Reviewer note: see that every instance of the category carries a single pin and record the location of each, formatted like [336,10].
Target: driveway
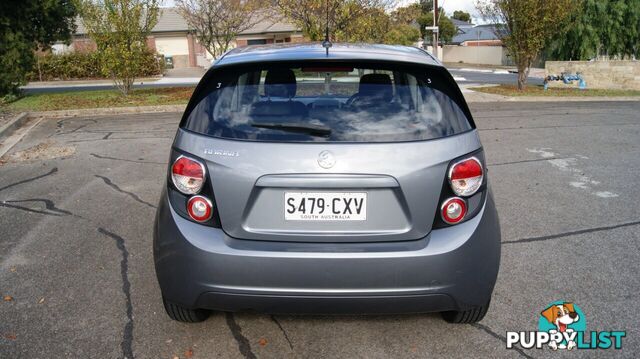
[78,198]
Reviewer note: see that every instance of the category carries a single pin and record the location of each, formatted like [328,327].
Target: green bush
[69,66]
[85,65]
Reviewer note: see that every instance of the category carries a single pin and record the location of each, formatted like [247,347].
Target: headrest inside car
[280,83]
[376,85]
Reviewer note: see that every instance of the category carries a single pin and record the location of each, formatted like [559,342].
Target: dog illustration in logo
[561,315]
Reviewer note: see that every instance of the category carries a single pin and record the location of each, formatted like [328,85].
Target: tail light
[465,176]
[200,208]
[188,175]
[453,210]
[189,191]
[463,191]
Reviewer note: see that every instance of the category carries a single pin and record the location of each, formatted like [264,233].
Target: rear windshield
[325,103]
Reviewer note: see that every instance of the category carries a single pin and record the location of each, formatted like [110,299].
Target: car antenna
[327,43]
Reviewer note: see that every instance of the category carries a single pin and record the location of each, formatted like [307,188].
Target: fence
[624,75]
[485,55]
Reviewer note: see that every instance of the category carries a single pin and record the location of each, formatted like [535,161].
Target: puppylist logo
[563,326]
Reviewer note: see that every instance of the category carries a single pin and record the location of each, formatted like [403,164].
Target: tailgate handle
[322,180]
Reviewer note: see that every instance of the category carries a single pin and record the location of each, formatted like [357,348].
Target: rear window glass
[325,103]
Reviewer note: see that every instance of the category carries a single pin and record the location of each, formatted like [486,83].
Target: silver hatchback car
[311,180]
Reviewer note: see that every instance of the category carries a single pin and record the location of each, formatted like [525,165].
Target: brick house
[173,38]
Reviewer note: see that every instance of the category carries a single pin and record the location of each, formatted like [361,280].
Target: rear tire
[182,314]
[469,316]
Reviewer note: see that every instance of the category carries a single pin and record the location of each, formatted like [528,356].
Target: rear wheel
[469,316]
[182,314]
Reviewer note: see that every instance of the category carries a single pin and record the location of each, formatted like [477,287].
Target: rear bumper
[450,269]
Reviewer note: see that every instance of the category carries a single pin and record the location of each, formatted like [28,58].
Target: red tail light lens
[466,176]
[188,175]
[453,210]
[199,208]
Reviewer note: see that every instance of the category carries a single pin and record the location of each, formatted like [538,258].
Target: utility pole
[436,20]
[434,30]
[435,25]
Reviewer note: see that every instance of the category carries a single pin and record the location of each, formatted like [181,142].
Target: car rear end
[314,186]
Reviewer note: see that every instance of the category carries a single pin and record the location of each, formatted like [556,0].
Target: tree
[407,14]
[402,34]
[524,26]
[26,26]
[446,29]
[345,17]
[371,26]
[426,6]
[120,29]
[414,14]
[404,26]
[218,22]
[462,16]
[622,36]
[600,28]
[632,31]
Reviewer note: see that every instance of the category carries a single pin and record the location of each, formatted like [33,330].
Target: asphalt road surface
[78,198]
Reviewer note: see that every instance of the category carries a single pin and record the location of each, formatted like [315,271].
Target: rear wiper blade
[306,128]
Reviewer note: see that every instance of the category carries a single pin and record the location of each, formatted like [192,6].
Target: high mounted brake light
[188,175]
[465,176]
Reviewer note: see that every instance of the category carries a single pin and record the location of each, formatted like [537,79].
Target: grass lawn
[101,98]
[532,90]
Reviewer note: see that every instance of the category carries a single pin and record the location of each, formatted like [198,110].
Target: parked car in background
[307,180]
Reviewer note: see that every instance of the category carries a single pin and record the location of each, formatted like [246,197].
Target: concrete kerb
[13,124]
[108,111]
[13,134]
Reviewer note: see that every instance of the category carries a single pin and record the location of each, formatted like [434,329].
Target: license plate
[325,206]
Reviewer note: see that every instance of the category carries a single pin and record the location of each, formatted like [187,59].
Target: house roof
[170,20]
[274,24]
[479,32]
[460,23]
